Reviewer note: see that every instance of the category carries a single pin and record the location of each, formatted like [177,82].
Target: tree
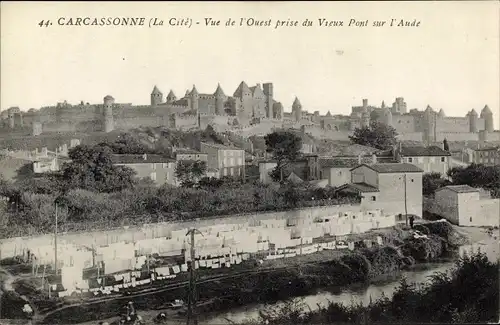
[91,168]
[189,172]
[377,135]
[474,175]
[285,147]
[127,144]
[431,182]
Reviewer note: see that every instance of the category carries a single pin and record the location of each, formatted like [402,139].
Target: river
[361,293]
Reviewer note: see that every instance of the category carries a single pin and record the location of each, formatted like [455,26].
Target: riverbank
[383,286]
[299,276]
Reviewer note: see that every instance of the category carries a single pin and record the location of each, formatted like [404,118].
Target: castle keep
[250,110]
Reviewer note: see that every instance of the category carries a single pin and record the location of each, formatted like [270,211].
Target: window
[443,159]
[165,165]
[470,219]
[153,166]
[410,160]
[412,180]
[374,198]
[153,176]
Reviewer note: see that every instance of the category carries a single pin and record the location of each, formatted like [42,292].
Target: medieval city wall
[453,124]
[403,123]
[327,134]
[457,136]
[240,141]
[411,136]
[183,122]
[134,122]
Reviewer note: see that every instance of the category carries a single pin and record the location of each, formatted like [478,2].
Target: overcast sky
[450,61]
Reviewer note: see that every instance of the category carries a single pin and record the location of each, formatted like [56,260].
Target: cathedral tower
[108,114]
[297,109]
[156,97]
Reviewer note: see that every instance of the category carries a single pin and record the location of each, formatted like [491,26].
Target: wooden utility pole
[191,314]
[55,244]
[406,204]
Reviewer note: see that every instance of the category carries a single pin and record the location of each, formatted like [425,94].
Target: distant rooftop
[424,151]
[345,149]
[221,146]
[338,163]
[488,149]
[139,159]
[361,187]
[187,151]
[393,168]
[459,188]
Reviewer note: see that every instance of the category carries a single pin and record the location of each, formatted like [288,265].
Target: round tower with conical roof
[171,97]
[297,109]
[109,101]
[473,121]
[194,96]
[487,116]
[220,98]
[429,118]
[156,96]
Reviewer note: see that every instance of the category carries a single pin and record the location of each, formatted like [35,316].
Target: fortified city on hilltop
[250,110]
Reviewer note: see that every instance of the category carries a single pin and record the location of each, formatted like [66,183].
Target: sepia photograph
[249,162]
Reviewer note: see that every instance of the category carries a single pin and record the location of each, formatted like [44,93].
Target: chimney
[145,156]
[374,159]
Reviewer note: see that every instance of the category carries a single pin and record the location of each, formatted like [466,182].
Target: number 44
[44,23]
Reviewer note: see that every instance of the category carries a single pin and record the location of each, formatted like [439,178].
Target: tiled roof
[345,149]
[242,89]
[138,159]
[424,151]
[488,149]
[394,168]
[338,163]
[188,152]
[221,146]
[459,188]
[361,187]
